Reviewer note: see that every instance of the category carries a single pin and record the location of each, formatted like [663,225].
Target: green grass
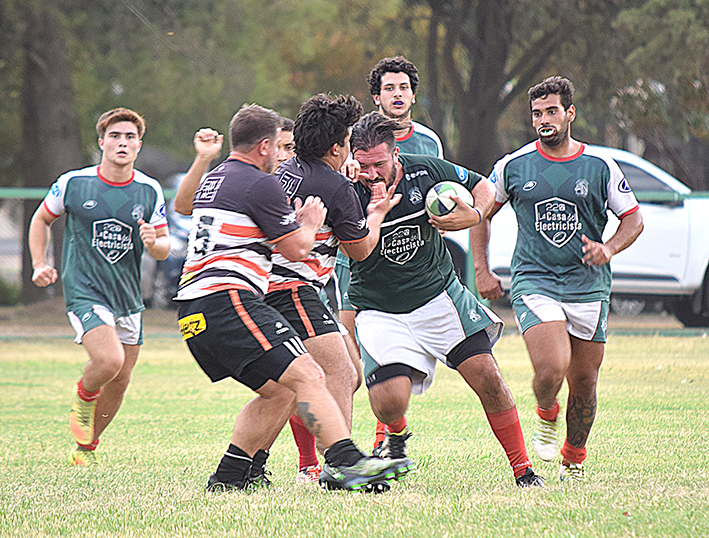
[647,466]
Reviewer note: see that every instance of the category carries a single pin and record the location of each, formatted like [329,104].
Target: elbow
[182,209]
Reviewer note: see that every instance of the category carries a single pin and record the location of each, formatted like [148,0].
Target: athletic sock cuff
[551,414]
[398,426]
[85,394]
[572,454]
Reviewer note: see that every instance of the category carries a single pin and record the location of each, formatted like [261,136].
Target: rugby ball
[438,198]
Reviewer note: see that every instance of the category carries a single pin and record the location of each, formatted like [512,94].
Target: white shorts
[422,337]
[129,328]
[586,321]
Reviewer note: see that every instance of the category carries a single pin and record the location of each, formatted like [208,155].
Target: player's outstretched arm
[488,283]
[600,253]
[42,274]
[208,145]
[381,202]
[311,216]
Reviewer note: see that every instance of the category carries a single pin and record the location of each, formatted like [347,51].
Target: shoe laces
[573,471]
[395,445]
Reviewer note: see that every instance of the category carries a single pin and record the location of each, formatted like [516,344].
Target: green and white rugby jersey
[102,246]
[420,140]
[411,264]
[556,202]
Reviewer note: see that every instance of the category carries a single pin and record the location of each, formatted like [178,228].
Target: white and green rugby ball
[438,198]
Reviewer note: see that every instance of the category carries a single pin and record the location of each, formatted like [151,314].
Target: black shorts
[304,310]
[236,334]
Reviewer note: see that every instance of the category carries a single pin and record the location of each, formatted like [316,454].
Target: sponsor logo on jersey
[54,190]
[290,182]
[288,219]
[402,244]
[416,174]
[361,223]
[624,187]
[161,211]
[138,212]
[462,173]
[493,177]
[415,196]
[89,204]
[529,186]
[581,188]
[112,238]
[280,328]
[192,325]
[557,220]
[207,190]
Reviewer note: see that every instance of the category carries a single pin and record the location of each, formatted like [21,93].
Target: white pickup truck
[667,264]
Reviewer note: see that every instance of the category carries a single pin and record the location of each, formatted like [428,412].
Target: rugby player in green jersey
[113,213]
[560,190]
[412,309]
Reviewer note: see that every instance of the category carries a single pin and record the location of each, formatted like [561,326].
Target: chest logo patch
[581,188]
[89,204]
[415,196]
[557,220]
[138,212]
[112,238]
[290,182]
[402,244]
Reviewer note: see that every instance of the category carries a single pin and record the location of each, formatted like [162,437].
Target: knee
[388,406]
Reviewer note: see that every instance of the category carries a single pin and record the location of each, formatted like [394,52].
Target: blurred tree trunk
[50,128]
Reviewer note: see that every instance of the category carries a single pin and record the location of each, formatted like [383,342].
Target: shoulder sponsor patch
[623,186]
[192,325]
[462,173]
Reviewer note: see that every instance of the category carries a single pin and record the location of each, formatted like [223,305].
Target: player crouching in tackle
[412,309]
[113,211]
[240,212]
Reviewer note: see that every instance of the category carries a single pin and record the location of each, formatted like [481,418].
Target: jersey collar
[114,183]
[559,159]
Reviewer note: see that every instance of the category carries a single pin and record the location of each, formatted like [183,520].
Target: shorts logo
[192,325]
[624,186]
[529,185]
[280,328]
[112,238]
[556,220]
[415,196]
[402,244]
[581,188]
[523,317]
[208,189]
[86,317]
[138,212]
[327,320]
[474,316]
[89,204]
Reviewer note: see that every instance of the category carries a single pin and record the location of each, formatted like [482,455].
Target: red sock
[91,446]
[380,433]
[85,394]
[550,414]
[506,427]
[305,441]
[398,426]
[571,454]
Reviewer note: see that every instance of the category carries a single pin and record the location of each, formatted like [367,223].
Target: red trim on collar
[559,159]
[113,183]
[407,135]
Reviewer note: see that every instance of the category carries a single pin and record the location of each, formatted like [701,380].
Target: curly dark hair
[397,64]
[553,86]
[286,124]
[322,122]
[374,129]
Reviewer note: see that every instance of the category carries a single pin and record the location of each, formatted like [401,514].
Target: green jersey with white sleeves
[420,140]
[411,264]
[102,246]
[556,202]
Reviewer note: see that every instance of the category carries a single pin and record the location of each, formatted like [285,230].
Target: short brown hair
[374,129]
[250,125]
[557,85]
[117,115]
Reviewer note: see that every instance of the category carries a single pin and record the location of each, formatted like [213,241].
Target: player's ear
[571,111]
[376,99]
[100,143]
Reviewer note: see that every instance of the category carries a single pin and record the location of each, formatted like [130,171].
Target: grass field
[647,467]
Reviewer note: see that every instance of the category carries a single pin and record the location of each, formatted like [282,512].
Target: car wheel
[627,307]
[683,310]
